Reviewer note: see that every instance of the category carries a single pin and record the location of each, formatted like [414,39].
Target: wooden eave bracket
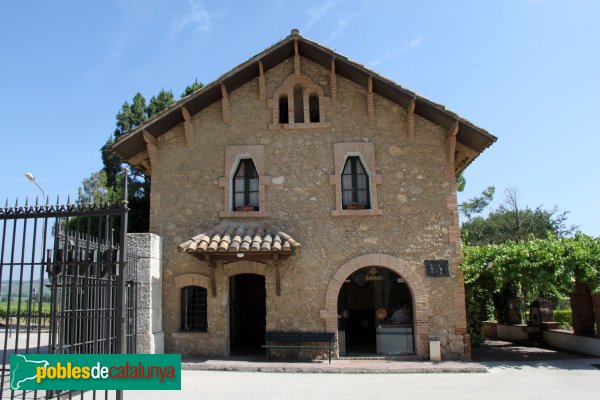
[152,147]
[410,119]
[141,159]
[225,103]
[370,104]
[187,124]
[452,132]
[333,80]
[297,71]
[262,91]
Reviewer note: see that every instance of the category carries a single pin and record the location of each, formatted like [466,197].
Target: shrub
[565,319]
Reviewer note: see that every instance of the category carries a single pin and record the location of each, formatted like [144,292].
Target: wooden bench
[299,340]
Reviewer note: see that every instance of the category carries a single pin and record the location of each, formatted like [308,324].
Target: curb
[327,369]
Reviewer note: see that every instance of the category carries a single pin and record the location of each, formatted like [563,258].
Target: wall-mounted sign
[437,268]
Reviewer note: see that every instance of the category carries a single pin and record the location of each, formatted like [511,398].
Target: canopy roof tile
[238,237]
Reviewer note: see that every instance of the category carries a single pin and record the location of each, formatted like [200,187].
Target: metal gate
[67,284]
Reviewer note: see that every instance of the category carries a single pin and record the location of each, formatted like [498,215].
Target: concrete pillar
[147,247]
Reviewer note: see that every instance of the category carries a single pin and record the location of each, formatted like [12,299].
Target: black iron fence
[67,284]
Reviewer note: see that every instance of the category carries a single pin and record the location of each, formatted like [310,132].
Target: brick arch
[244,267]
[421,304]
[184,280]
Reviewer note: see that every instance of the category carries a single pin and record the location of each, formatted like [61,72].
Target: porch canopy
[239,241]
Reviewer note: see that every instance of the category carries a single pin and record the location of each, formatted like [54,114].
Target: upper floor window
[193,309]
[284,118]
[313,105]
[245,187]
[298,104]
[355,185]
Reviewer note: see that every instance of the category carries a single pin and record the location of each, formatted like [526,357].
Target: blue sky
[528,71]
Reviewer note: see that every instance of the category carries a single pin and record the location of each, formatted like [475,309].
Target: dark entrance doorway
[247,314]
[375,314]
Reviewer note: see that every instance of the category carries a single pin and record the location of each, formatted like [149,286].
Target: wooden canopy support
[272,258]
[261,82]
[410,119]
[225,103]
[213,281]
[277,275]
[187,124]
[297,71]
[333,80]
[370,105]
[152,147]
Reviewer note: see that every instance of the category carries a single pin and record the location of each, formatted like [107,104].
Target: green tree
[189,89]
[94,189]
[513,221]
[503,279]
[159,102]
[476,205]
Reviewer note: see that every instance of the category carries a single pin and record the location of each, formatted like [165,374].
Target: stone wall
[147,247]
[416,198]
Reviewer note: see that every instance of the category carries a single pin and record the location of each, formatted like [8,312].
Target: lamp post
[31,178]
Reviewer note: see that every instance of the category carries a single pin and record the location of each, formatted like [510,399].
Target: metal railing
[67,284]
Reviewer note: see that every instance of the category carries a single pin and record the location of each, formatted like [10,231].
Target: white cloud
[198,18]
[341,24]
[413,44]
[317,13]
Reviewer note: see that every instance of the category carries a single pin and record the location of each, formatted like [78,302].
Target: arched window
[355,185]
[193,309]
[245,187]
[313,104]
[298,104]
[283,110]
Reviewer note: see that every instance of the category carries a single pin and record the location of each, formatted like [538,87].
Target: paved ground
[499,350]
[513,372]
[557,379]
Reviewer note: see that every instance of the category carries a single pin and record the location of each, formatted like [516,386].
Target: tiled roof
[241,237]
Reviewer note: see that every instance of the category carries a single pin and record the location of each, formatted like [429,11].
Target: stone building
[303,192]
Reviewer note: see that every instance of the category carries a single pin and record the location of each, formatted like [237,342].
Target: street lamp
[31,178]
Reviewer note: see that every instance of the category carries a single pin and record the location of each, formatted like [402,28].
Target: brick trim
[244,267]
[184,280]
[421,302]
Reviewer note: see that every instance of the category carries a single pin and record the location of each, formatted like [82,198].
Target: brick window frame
[366,152]
[194,314]
[309,88]
[233,155]
[184,280]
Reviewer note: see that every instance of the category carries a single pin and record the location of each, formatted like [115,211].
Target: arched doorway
[247,313]
[375,309]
